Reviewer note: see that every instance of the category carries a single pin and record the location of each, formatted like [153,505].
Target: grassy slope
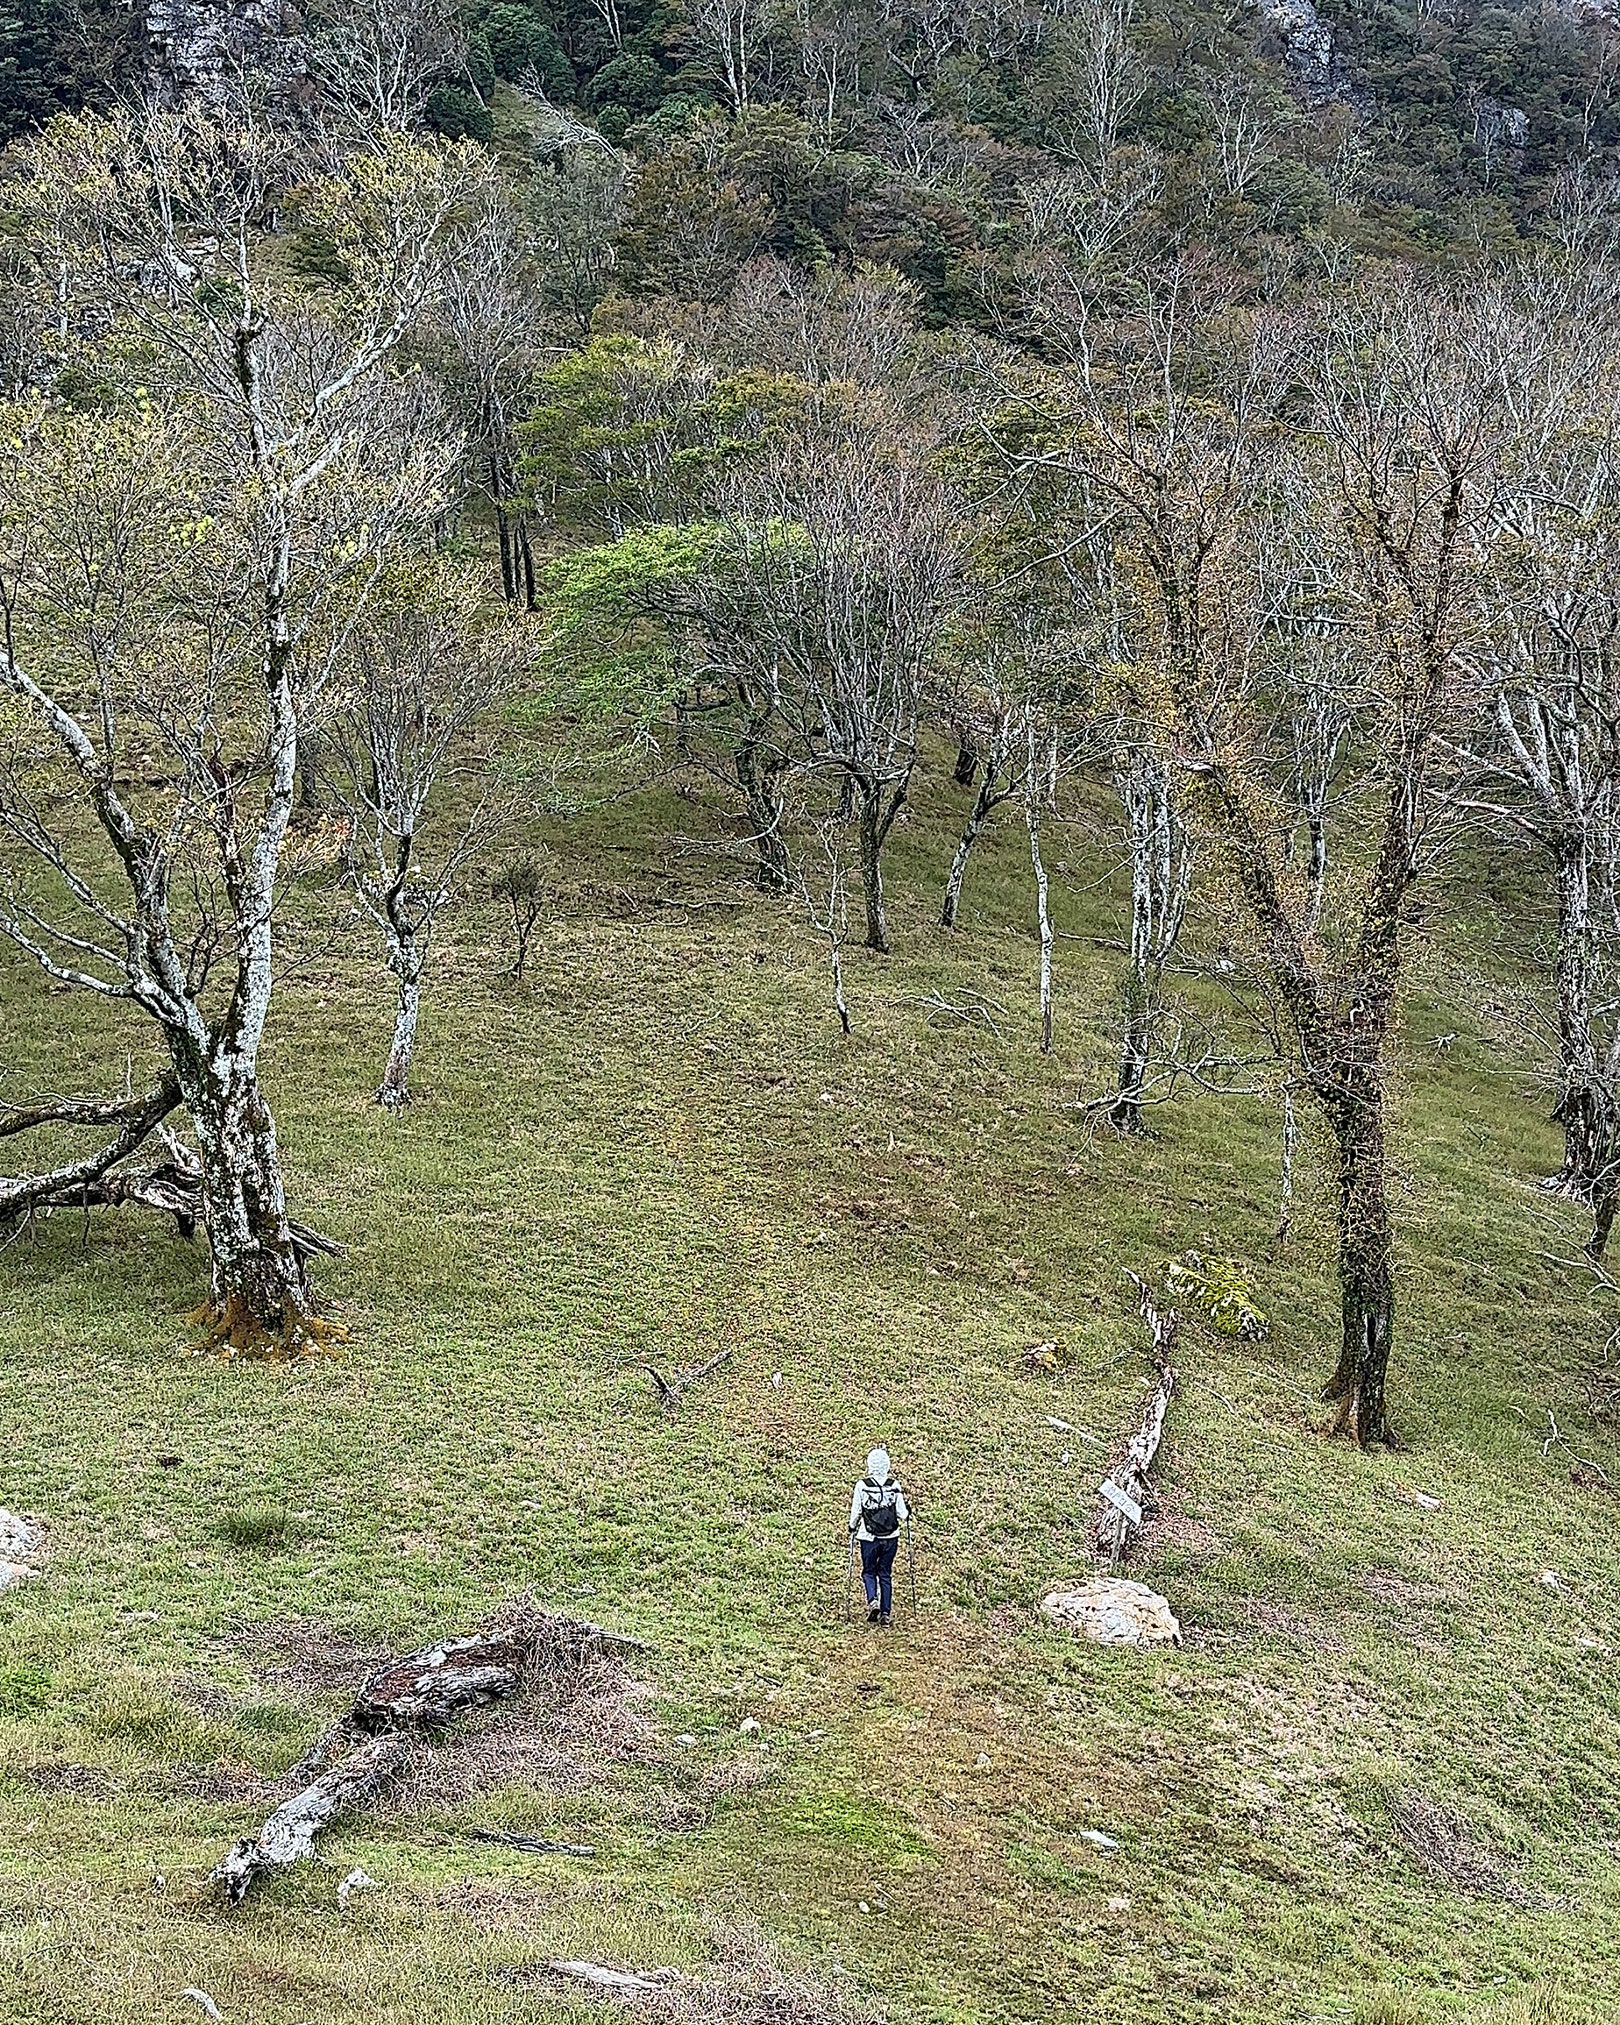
[660,1136]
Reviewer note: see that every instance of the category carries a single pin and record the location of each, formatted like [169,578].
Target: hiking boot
[883,1616]
[875,1616]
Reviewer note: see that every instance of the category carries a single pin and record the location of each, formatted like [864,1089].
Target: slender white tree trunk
[1043,911]
[405,959]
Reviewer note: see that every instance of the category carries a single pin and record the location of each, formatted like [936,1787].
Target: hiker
[876,1513]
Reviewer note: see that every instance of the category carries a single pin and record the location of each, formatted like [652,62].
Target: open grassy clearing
[660,1138]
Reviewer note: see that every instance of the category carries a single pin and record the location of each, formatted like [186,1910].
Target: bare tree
[1549,765]
[1098,79]
[381,60]
[729,36]
[826,906]
[166,574]
[486,341]
[1399,476]
[832,588]
[1161,860]
[425,667]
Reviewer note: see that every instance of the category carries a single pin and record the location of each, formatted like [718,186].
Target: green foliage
[630,429]
[613,626]
[1222,1293]
[520,39]
[64,55]
[457,112]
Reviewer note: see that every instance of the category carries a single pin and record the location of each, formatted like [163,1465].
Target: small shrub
[1221,1292]
[263,1529]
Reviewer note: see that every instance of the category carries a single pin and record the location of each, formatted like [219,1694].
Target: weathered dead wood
[289,1834]
[66,1185]
[670,1389]
[399,1707]
[621,1982]
[171,1187]
[83,1110]
[1126,1491]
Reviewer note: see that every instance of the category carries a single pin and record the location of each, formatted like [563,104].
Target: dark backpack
[883,1518]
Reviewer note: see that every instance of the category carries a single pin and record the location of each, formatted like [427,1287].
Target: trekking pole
[911,1558]
[849,1574]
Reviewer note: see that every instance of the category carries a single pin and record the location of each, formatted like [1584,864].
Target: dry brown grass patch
[1450,1848]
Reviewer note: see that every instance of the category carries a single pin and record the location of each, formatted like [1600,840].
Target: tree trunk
[967,759]
[759,775]
[1043,914]
[309,786]
[871,840]
[953,885]
[525,557]
[259,1294]
[1125,1114]
[405,961]
[503,528]
[1315,867]
[1583,1107]
[1366,1283]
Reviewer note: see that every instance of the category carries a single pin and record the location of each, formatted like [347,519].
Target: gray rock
[1310,53]
[1114,1611]
[21,1540]
[200,45]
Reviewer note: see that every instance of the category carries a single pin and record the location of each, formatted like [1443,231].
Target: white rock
[749,1726]
[1098,1839]
[1112,1611]
[11,1573]
[686,1738]
[356,1880]
[20,1539]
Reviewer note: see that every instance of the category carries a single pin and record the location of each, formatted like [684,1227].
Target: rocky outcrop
[1112,1611]
[205,46]
[1310,53]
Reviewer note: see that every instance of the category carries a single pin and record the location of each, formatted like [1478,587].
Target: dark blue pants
[877,1570]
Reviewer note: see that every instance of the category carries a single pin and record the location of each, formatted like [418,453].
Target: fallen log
[1126,1492]
[397,1711]
[289,1834]
[76,1183]
[619,1982]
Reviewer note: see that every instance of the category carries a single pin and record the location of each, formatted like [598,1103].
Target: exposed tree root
[235,1331]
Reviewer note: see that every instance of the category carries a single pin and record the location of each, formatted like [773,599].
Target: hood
[877,1465]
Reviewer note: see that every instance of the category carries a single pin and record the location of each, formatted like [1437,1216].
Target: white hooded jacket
[877,1485]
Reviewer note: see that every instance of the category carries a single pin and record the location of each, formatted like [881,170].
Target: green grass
[658,1142]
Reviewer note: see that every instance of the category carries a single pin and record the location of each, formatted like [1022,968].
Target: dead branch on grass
[1126,1491]
[531,1845]
[670,1390]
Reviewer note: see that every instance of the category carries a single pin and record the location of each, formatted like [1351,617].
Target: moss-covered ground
[659,1143]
